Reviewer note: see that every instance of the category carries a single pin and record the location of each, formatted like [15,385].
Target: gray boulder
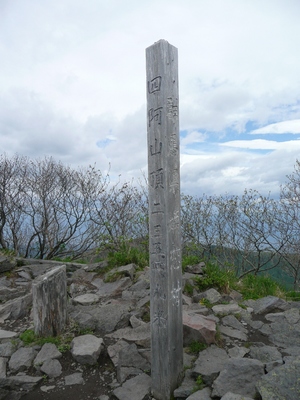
[6,264]
[269,304]
[209,363]
[22,359]
[198,327]
[52,368]
[203,394]
[233,396]
[238,376]
[130,362]
[3,362]
[281,383]
[23,382]
[212,295]
[47,352]
[74,379]
[16,308]
[86,349]
[136,388]
[187,386]
[265,353]
[140,335]
[95,317]
[226,309]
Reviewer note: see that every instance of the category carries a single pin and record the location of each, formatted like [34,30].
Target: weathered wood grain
[164,219]
[49,296]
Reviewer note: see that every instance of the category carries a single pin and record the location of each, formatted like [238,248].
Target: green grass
[62,342]
[214,277]
[292,296]
[114,276]
[190,259]
[128,254]
[188,289]
[29,337]
[206,303]
[195,347]
[255,287]
[251,286]
[199,384]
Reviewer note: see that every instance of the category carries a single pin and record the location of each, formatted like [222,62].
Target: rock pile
[252,347]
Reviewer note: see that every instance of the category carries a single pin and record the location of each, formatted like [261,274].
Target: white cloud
[292,126]
[192,137]
[72,84]
[261,144]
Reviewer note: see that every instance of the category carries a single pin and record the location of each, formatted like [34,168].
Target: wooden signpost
[164,219]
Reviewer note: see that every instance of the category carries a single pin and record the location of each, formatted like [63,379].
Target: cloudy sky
[73,80]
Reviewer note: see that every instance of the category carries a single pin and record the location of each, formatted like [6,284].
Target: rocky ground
[252,348]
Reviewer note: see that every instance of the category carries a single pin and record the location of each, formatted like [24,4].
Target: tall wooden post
[164,219]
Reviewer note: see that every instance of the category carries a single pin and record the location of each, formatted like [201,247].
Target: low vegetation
[195,347]
[250,286]
[29,338]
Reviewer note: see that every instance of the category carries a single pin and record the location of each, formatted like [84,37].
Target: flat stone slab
[234,333]
[238,352]
[125,270]
[134,389]
[265,354]
[282,382]
[269,304]
[25,382]
[74,379]
[225,309]
[203,394]
[105,319]
[238,376]
[87,299]
[46,389]
[140,335]
[209,363]
[7,334]
[233,396]
[233,322]
[114,288]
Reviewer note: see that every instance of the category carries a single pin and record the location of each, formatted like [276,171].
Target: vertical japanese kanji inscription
[164,219]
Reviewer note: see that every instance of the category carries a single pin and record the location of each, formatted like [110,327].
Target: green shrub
[199,384]
[257,286]
[128,254]
[217,278]
[206,303]
[62,342]
[195,347]
[188,289]
[190,259]
[293,296]
[28,337]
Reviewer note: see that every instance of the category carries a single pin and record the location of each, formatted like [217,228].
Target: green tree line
[49,210]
